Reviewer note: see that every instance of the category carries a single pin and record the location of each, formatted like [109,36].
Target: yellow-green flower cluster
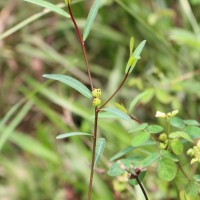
[194,153]
[163,140]
[166,115]
[96,93]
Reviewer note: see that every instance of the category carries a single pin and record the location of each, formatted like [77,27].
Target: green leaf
[167,154]
[177,146]
[118,168]
[140,138]
[190,122]
[136,100]
[131,61]
[154,129]
[66,135]
[196,177]
[179,134]
[149,93]
[91,18]
[150,159]
[135,56]
[177,122]
[141,177]
[77,85]
[99,150]
[138,127]
[166,169]
[163,96]
[193,131]
[50,7]
[131,45]
[118,113]
[192,190]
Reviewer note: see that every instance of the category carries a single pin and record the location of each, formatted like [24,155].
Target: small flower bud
[162,137]
[96,102]
[162,145]
[160,114]
[96,93]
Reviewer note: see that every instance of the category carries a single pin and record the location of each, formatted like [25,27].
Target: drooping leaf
[177,122]
[154,129]
[136,100]
[166,169]
[131,45]
[50,7]
[118,113]
[77,85]
[140,138]
[177,146]
[101,142]
[91,17]
[66,135]
[138,127]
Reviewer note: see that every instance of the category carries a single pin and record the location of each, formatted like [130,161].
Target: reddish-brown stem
[82,45]
[117,90]
[142,188]
[93,153]
[133,118]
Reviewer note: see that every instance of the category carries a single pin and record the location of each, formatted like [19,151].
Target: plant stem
[182,170]
[93,152]
[82,45]
[117,90]
[142,188]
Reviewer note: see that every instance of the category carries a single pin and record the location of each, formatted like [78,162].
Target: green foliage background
[33,164]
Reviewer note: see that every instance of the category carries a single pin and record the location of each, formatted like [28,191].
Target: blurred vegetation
[33,164]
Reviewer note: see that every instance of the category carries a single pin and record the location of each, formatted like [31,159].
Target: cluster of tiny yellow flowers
[194,153]
[166,115]
[96,93]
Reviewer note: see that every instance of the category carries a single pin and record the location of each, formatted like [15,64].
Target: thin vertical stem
[142,188]
[93,153]
[82,45]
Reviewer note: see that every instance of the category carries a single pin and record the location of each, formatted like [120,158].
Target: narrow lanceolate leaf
[91,18]
[118,113]
[136,100]
[131,45]
[99,150]
[77,85]
[50,7]
[66,135]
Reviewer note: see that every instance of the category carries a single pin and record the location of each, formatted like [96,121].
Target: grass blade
[99,150]
[117,112]
[66,135]
[91,18]
[77,85]
[50,7]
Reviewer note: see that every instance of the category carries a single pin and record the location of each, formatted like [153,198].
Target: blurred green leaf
[193,131]
[154,129]
[122,153]
[169,155]
[101,142]
[140,138]
[136,100]
[131,45]
[177,122]
[66,135]
[77,85]
[191,122]
[177,146]
[192,190]
[163,96]
[117,112]
[182,134]
[196,178]
[138,127]
[91,17]
[150,159]
[31,145]
[50,7]
[166,169]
